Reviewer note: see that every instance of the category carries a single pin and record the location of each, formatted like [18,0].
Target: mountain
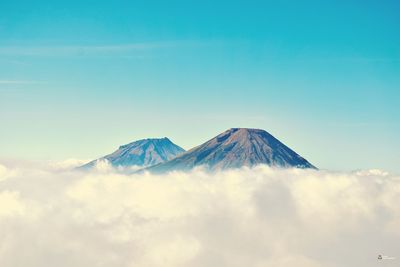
[235,148]
[142,153]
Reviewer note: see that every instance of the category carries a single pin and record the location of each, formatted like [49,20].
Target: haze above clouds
[246,217]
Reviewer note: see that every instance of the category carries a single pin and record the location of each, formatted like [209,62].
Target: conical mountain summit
[235,148]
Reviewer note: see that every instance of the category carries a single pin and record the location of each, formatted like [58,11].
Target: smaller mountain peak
[147,141]
[144,152]
[163,140]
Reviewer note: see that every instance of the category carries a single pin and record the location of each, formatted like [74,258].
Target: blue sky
[79,78]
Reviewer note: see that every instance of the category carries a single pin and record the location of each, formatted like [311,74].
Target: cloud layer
[247,217]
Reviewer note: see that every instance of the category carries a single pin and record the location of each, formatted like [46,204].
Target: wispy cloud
[82,50]
[10,82]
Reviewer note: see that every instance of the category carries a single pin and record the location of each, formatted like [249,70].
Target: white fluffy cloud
[5,173]
[248,217]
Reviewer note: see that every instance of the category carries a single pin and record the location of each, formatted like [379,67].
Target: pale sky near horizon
[80,78]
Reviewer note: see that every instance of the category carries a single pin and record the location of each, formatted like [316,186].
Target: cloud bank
[248,217]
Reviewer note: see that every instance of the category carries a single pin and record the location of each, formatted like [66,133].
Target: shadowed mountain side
[235,148]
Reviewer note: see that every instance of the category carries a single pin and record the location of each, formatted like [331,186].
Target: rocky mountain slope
[235,148]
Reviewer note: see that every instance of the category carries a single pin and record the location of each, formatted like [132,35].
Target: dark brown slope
[235,148]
